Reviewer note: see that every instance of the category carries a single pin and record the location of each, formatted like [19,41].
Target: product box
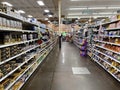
[118,24]
[118,17]
[113,18]
[112,26]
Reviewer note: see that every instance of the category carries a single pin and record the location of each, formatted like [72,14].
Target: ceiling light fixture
[90,16]
[76,0]
[106,13]
[50,16]
[113,7]
[101,13]
[75,13]
[21,11]
[30,16]
[78,8]
[41,3]
[46,10]
[6,3]
[97,8]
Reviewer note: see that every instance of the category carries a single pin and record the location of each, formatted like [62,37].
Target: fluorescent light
[46,11]
[77,0]
[97,8]
[106,13]
[6,3]
[46,18]
[49,15]
[75,13]
[72,14]
[101,13]
[21,11]
[113,7]
[30,16]
[77,8]
[88,16]
[41,3]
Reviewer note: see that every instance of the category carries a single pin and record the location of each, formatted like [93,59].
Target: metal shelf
[103,24]
[106,70]
[107,42]
[17,43]
[34,70]
[107,63]
[112,29]
[107,49]
[108,56]
[18,55]
[17,30]
[2,14]
[21,74]
[25,70]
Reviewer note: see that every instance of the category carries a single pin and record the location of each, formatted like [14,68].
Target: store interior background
[73,16]
[72,11]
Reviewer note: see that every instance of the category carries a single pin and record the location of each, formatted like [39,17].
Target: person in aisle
[60,36]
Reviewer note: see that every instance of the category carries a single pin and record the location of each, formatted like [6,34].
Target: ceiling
[31,7]
[67,4]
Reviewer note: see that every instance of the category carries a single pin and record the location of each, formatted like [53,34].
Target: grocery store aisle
[56,73]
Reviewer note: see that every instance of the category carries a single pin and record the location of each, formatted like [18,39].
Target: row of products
[112,18]
[4,84]
[108,67]
[109,46]
[10,24]
[11,51]
[113,25]
[104,53]
[10,11]
[112,40]
[45,35]
[14,13]
[112,33]
[23,79]
[11,65]
[108,59]
[112,47]
[8,52]
[7,38]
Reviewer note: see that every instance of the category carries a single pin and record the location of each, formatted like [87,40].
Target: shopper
[60,41]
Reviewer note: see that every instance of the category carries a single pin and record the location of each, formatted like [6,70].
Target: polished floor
[56,73]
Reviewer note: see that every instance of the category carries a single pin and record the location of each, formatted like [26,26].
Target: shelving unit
[106,47]
[20,52]
[80,42]
[20,18]
[89,40]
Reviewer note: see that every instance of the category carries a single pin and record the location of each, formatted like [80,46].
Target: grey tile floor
[56,73]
